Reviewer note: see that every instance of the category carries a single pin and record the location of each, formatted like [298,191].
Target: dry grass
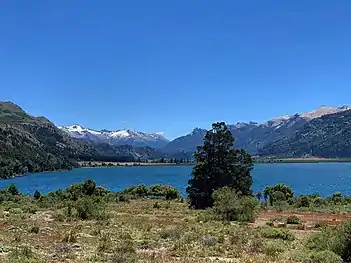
[138,232]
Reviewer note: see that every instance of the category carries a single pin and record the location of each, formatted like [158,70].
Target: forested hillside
[328,136]
[34,144]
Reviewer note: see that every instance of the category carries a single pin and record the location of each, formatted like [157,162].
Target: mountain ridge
[328,136]
[253,136]
[117,137]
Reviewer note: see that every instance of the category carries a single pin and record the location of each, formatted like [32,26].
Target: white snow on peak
[324,110]
[120,133]
[115,137]
[282,118]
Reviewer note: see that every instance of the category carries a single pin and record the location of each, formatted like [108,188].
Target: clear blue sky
[173,65]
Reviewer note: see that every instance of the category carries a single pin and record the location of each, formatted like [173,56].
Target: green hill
[34,144]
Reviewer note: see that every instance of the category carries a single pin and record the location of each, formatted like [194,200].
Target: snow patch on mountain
[118,137]
[324,110]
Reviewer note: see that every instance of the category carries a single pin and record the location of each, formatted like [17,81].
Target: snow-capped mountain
[118,137]
[286,119]
[253,136]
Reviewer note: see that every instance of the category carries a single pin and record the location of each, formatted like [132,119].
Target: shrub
[277,233]
[164,191]
[229,206]
[70,237]
[273,249]
[100,191]
[34,230]
[59,216]
[321,224]
[303,201]
[23,255]
[324,256]
[337,240]
[119,257]
[293,220]
[337,197]
[89,187]
[156,205]
[278,196]
[85,208]
[13,189]
[124,198]
[105,242]
[269,193]
[16,211]
[140,191]
[37,195]
[173,233]
[209,240]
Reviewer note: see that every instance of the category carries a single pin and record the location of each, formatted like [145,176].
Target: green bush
[23,255]
[124,198]
[337,240]
[88,187]
[293,220]
[140,191]
[273,249]
[37,195]
[164,191]
[337,197]
[303,201]
[16,211]
[86,209]
[13,189]
[270,194]
[277,233]
[324,256]
[231,207]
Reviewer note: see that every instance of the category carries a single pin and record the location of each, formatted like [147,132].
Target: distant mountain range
[118,137]
[33,144]
[255,137]
[327,136]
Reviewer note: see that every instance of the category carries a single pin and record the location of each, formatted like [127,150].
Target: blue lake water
[324,178]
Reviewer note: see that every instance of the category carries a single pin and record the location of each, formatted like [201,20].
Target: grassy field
[149,230]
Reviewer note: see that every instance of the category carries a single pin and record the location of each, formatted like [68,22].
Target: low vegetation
[87,223]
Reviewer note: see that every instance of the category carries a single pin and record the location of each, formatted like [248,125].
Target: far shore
[258,160]
[303,160]
[111,164]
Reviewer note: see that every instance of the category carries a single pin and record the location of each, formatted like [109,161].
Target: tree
[89,187]
[270,192]
[13,189]
[37,195]
[219,165]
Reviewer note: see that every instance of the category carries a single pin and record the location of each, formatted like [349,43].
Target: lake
[323,178]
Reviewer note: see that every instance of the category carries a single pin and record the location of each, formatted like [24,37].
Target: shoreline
[85,164]
[304,160]
[123,164]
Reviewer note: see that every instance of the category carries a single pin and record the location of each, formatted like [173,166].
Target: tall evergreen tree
[218,165]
